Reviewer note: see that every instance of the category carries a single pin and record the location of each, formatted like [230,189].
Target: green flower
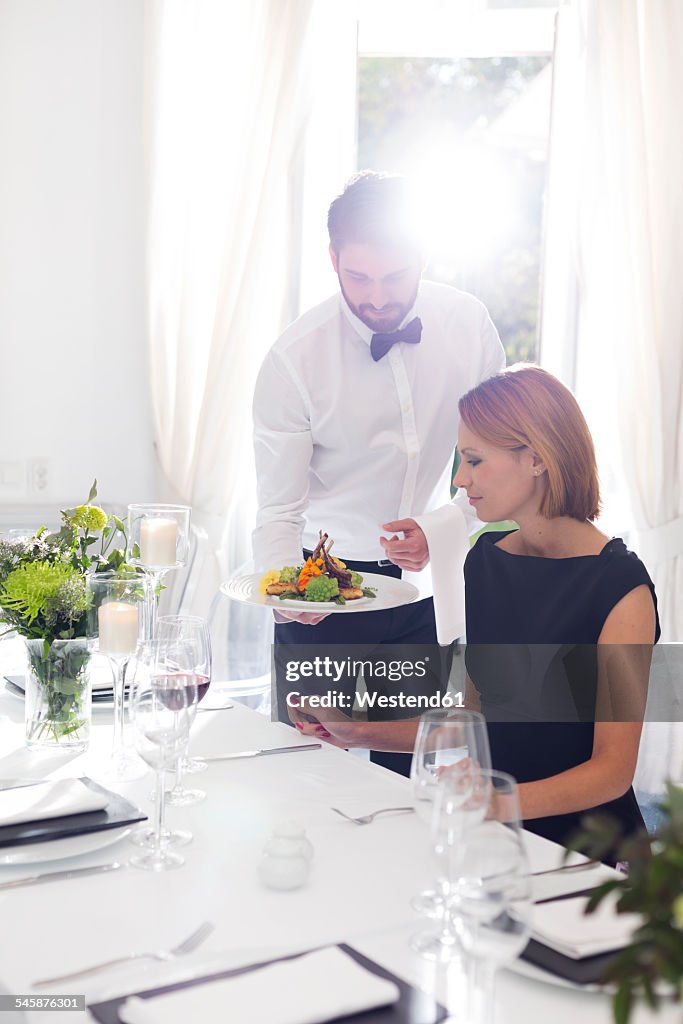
[30,588]
[87,517]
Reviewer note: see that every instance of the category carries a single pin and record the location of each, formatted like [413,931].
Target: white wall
[73,365]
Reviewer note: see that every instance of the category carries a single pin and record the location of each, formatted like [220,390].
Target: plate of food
[322,583]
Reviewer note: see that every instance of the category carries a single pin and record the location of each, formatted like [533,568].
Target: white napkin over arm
[310,989]
[446,530]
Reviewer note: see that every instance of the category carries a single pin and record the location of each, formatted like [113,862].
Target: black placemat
[413,1006]
[586,971]
[117,813]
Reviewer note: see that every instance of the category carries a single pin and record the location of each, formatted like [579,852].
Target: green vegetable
[321,588]
[290,574]
[356,579]
[369,592]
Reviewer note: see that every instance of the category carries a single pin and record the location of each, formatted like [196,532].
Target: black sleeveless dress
[532,627]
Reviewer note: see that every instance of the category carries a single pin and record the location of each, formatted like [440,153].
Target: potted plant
[653,888]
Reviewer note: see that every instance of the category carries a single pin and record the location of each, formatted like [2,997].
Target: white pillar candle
[118,626]
[158,541]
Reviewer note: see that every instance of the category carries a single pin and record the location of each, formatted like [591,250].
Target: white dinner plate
[60,849]
[391,593]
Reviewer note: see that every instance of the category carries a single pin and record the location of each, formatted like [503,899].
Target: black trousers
[385,638]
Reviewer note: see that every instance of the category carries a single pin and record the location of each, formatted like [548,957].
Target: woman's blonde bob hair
[526,406]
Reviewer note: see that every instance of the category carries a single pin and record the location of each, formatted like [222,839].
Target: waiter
[355,420]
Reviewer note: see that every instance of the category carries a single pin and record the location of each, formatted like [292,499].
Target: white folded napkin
[317,987]
[48,800]
[446,533]
[563,926]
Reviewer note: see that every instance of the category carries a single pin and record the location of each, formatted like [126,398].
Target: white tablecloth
[358,892]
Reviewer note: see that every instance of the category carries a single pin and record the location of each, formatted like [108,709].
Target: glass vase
[58,706]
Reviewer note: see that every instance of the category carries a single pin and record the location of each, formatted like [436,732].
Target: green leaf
[120,525]
[93,492]
[623,1000]
[135,551]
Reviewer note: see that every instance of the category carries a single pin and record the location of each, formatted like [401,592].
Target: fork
[365,819]
[187,946]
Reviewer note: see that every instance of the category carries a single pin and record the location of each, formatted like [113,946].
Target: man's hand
[411,553]
[305,618]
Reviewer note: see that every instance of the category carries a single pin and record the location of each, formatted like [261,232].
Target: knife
[49,876]
[259,753]
[564,896]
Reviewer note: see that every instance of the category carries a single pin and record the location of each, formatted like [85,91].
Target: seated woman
[557,581]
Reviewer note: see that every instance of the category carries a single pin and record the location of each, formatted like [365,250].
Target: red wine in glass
[177,690]
[203,683]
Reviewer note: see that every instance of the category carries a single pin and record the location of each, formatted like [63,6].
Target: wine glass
[443,738]
[170,658]
[490,895]
[161,721]
[461,802]
[116,604]
[196,630]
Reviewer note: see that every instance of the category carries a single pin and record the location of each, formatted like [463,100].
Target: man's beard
[394,313]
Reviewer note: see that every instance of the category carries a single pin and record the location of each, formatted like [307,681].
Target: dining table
[359,890]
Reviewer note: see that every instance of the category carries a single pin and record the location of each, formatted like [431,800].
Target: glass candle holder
[158,539]
[118,606]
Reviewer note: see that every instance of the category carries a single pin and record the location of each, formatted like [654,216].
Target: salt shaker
[286,859]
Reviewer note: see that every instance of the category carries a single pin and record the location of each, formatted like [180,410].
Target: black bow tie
[381,343]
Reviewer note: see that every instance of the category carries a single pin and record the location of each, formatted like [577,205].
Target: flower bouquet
[43,599]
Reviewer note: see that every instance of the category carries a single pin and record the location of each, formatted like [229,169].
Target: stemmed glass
[490,894]
[195,631]
[116,604]
[443,738]
[461,802]
[158,536]
[161,727]
[171,658]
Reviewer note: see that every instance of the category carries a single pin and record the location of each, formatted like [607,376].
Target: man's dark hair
[373,209]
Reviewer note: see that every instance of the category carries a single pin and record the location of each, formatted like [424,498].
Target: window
[472,133]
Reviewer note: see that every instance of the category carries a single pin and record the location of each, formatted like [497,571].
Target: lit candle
[118,626]
[158,541]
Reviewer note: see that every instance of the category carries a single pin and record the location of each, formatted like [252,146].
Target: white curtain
[613,263]
[618,197]
[231,89]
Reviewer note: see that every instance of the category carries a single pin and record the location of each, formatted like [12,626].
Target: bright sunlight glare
[465,201]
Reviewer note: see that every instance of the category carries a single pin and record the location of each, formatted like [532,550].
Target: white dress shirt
[345,444]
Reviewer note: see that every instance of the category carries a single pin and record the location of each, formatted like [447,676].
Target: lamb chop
[343,576]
